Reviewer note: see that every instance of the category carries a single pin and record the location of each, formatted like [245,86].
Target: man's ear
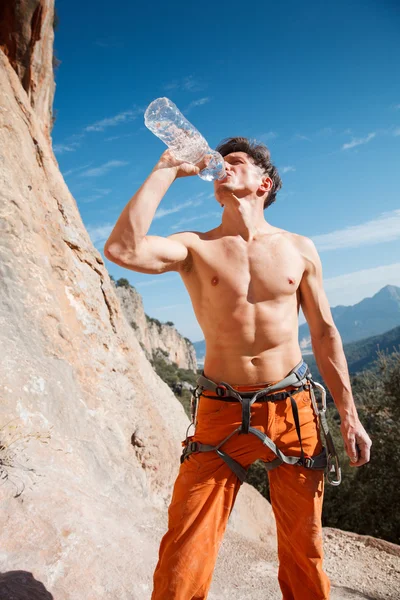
[266,184]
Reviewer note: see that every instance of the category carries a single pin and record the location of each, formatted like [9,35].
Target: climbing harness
[299,378]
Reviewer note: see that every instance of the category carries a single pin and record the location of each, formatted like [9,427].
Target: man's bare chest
[263,270]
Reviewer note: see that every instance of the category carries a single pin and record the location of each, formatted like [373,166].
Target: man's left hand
[357,442]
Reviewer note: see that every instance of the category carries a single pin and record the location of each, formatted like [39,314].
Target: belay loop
[299,378]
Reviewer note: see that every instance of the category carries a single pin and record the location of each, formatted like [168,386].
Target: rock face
[26,38]
[89,435]
[153,335]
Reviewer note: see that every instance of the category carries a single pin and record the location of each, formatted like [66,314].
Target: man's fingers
[357,443]
[351,449]
[363,455]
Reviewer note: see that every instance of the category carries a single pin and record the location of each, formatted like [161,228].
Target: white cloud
[195,103]
[162,212]
[156,281]
[123,117]
[325,131]
[173,306]
[109,42]
[89,199]
[70,171]
[358,141]
[61,148]
[287,169]
[396,132]
[100,194]
[103,169]
[191,219]
[385,228]
[100,233]
[118,137]
[270,135]
[351,288]
[298,136]
[396,107]
[188,84]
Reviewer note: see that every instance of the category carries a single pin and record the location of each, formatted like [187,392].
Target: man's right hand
[179,167]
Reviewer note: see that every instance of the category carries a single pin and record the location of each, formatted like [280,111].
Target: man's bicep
[313,299]
[155,254]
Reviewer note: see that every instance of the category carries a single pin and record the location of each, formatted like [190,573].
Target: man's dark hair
[261,157]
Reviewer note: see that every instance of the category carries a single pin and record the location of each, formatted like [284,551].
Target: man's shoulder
[302,242]
[303,245]
[189,238]
[185,237]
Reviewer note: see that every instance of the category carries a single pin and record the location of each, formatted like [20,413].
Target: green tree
[122,282]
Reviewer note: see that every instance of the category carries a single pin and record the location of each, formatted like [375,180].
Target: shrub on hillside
[122,282]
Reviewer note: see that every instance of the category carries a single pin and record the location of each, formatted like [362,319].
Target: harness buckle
[221,391]
[308,462]
[188,448]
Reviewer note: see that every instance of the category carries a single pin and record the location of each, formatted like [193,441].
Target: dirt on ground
[359,567]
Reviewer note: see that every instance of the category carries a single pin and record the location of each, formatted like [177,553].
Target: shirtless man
[247,280]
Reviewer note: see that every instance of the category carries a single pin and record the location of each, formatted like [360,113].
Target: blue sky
[317,83]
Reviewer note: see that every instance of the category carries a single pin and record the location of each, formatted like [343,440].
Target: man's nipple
[215,280]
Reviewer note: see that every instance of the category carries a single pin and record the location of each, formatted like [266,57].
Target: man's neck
[244,219]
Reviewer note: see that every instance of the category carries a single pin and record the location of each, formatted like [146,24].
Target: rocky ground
[360,567]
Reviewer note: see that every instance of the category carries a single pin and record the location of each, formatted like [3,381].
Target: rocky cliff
[89,435]
[26,39]
[154,336]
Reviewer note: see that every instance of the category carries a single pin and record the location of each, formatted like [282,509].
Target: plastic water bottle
[165,120]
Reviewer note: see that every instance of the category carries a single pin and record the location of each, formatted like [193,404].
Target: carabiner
[333,467]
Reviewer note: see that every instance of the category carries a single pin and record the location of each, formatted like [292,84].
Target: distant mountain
[371,316]
[200,348]
[360,355]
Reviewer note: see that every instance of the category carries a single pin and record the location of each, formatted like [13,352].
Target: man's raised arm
[329,355]
[128,244]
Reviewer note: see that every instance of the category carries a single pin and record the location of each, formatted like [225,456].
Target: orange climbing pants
[206,488]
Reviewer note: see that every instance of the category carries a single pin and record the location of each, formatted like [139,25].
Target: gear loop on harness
[221,390]
[298,378]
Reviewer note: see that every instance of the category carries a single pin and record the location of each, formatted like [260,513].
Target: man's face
[243,177]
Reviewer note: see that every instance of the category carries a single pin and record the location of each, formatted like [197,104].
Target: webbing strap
[297,423]
[327,433]
[246,404]
[316,462]
[289,460]
[236,467]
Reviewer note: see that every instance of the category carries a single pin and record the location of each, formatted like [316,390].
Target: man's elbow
[113,253]
[327,331]
[110,251]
